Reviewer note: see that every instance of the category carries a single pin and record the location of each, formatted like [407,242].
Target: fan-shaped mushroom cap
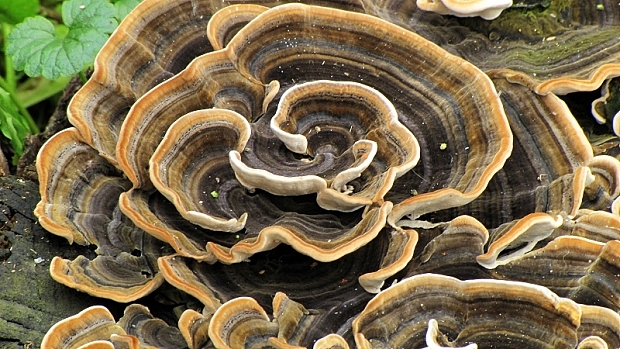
[180,175]
[552,171]
[487,9]
[321,119]
[526,231]
[90,325]
[331,341]
[149,330]
[475,311]
[79,201]
[194,327]
[123,278]
[61,161]
[210,81]
[241,321]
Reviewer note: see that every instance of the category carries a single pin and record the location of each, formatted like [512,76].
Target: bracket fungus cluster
[343,174]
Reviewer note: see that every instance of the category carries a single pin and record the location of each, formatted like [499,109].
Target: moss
[21,324]
[553,51]
[531,22]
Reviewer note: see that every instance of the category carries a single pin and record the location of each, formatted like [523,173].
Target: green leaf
[13,12]
[123,7]
[12,124]
[37,49]
[93,14]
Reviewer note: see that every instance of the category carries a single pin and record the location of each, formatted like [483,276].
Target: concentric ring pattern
[339,174]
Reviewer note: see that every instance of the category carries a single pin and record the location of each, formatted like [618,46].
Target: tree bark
[30,300]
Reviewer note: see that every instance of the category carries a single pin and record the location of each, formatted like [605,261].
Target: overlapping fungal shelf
[320,177]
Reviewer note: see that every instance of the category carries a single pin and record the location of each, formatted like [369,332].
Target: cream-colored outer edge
[487,9]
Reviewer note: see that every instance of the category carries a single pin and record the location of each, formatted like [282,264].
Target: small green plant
[13,125]
[42,52]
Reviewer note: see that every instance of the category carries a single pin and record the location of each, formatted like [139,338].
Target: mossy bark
[30,300]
